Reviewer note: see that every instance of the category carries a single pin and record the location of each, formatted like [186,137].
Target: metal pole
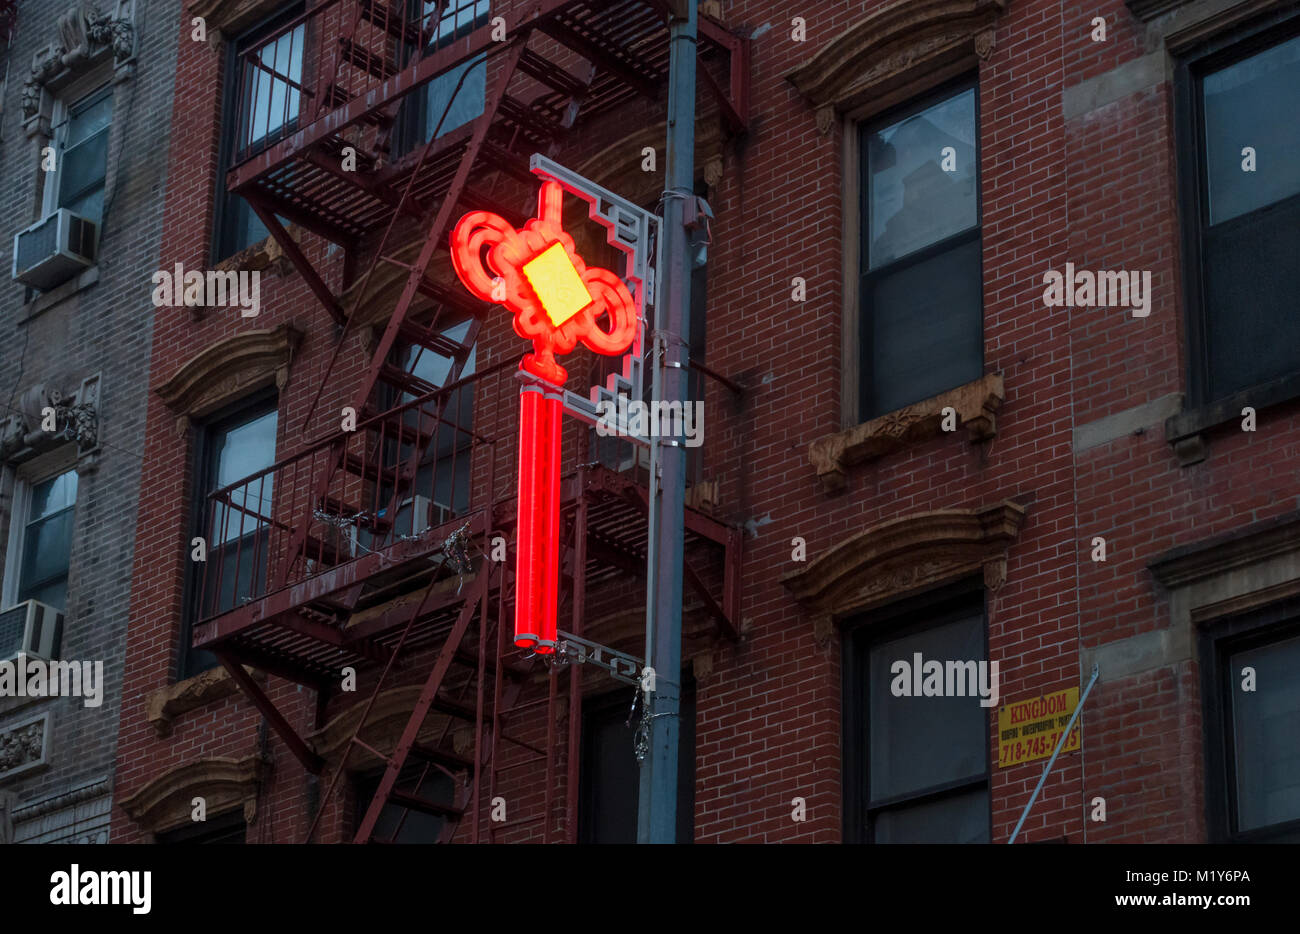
[657,818]
[1052,761]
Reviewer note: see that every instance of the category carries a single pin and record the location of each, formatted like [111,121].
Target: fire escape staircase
[319,606]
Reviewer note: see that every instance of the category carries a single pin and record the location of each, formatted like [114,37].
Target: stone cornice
[898,557]
[165,802]
[975,403]
[1190,564]
[889,43]
[226,18]
[165,704]
[230,368]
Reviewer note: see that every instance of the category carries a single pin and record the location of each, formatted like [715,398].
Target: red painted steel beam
[594,53]
[333,636]
[368,184]
[300,261]
[310,761]
[297,215]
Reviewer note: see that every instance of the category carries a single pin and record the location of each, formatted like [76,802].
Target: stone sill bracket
[976,405]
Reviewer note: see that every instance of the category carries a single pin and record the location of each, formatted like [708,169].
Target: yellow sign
[1030,729]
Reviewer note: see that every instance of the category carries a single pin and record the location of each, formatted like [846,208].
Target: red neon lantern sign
[557,301]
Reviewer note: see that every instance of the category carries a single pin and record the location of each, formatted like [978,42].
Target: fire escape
[373,547]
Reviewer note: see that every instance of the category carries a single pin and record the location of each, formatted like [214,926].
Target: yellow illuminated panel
[557,283]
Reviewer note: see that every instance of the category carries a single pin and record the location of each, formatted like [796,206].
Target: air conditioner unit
[54,250]
[427,514]
[30,628]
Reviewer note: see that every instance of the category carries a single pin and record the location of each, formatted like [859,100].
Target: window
[443,466]
[611,777]
[398,824]
[262,106]
[916,768]
[921,301]
[1251,685]
[455,98]
[1241,227]
[231,450]
[81,144]
[41,540]
[228,828]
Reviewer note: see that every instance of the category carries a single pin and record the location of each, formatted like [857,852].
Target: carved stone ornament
[975,404]
[76,418]
[225,783]
[889,46]
[24,746]
[229,369]
[903,556]
[84,36]
[265,256]
[165,704]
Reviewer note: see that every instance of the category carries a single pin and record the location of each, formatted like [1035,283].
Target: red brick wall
[1096,190]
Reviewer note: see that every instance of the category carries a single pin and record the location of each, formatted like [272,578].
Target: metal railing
[415,467]
[338,50]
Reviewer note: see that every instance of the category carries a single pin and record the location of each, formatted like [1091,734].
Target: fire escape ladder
[475,601]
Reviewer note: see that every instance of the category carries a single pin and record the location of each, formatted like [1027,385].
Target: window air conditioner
[54,250]
[30,628]
[426,512]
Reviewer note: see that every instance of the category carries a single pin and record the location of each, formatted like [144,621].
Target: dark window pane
[1266,731]
[961,818]
[53,495]
[468,101]
[1253,103]
[1253,332]
[88,117]
[46,546]
[47,541]
[923,330]
[912,202]
[236,524]
[396,823]
[922,742]
[84,158]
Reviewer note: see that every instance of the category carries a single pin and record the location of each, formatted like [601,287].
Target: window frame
[936,82]
[26,479]
[1193,204]
[244,409]
[223,208]
[858,635]
[70,97]
[1220,640]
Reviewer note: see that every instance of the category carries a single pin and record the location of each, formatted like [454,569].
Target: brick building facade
[86,110]
[917,446]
